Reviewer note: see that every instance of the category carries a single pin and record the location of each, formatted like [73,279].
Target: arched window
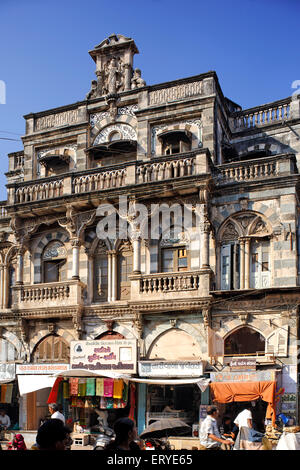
[52,349]
[125,267]
[54,262]
[7,351]
[107,335]
[100,274]
[12,282]
[244,341]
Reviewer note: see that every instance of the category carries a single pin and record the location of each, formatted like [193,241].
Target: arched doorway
[110,335]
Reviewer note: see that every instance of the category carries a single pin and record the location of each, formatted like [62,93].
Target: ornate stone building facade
[231,290]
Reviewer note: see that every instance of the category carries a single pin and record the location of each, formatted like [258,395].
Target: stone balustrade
[157,171]
[262,115]
[160,286]
[252,170]
[169,282]
[39,191]
[48,294]
[3,210]
[97,181]
[103,178]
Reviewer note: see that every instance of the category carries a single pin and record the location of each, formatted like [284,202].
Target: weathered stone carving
[56,120]
[230,232]
[175,93]
[126,132]
[137,81]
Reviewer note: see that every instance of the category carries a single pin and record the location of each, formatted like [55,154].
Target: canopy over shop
[245,391]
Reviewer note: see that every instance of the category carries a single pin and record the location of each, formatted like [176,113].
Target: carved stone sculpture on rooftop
[113,77]
[137,81]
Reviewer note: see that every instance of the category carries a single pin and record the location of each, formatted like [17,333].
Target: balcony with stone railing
[163,286]
[257,169]
[3,210]
[261,116]
[54,294]
[163,168]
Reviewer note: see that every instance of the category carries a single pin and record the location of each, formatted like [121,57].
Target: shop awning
[227,392]
[200,381]
[32,383]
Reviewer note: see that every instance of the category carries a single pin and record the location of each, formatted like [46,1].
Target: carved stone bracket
[109,324]
[77,323]
[244,318]
[206,313]
[173,322]
[76,222]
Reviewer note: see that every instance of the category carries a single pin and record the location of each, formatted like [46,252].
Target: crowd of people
[53,434]
[230,432]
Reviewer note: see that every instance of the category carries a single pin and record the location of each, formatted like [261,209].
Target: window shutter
[225,267]
[277,342]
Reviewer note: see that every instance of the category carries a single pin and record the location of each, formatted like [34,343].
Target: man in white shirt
[55,414]
[210,437]
[244,419]
[4,419]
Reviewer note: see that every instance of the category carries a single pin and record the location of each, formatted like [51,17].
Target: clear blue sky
[253,45]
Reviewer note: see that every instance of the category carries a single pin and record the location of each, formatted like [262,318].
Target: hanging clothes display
[108,387]
[8,394]
[100,387]
[54,391]
[118,388]
[90,387]
[82,388]
[3,393]
[73,386]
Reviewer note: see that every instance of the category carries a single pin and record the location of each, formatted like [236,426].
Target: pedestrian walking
[126,434]
[55,413]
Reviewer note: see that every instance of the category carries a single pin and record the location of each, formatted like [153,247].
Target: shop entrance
[258,410]
[173,401]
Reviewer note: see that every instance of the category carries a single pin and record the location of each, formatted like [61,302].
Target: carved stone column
[127,77]
[1,286]
[247,263]
[136,244]
[205,230]
[109,276]
[19,273]
[242,261]
[75,242]
[114,276]
[6,286]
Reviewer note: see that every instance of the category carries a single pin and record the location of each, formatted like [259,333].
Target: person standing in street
[210,438]
[53,436]
[55,414]
[244,418]
[4,419]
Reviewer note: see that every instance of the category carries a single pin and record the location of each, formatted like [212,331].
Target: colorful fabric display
[108,387]
[54,391]
[100,387]
[103,403]
[8,394]
[90,387]
[73,402]
[132,402]
[80,403]
[73,385]
[118,388]
[109,403]
[66,390]
[82,388]
[3,393]
[125,392]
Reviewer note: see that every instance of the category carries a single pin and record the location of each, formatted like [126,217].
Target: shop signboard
[117,355]
[41,369]
[243,363]
[247,376]
[7,372]
[171,369]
